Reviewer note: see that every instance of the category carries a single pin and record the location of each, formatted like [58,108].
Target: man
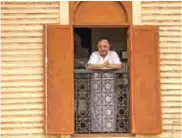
[104,58]
[103,95]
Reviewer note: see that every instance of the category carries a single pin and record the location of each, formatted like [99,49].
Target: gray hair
[104,40]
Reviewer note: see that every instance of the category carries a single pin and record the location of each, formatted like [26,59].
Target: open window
[101,110]
[144,86]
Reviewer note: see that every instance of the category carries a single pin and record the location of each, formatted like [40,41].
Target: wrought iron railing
[102,101]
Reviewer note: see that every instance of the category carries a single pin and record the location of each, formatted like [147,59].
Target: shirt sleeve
[93,58]
[116,59]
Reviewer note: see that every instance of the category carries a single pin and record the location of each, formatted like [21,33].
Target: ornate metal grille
[101,102]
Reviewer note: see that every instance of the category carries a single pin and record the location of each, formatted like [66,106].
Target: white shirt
[112,57]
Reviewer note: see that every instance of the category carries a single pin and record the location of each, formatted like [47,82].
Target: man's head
[103,47]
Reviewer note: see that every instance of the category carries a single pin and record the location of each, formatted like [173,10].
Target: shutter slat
[158,17]
[22,106]
[21,125]
[30,21]
[35,135]
[24,131]
[170,115]
[170,86]
[170,74]
[22,83]
[24,89]
[170,80]
[168,68]
[153,22]
[22,95]
[22,64]
[164,11]
[33,10]
[171,104]
[21,101]
[22,52]
[12,40]
[167,39]
[172,62]
[29,6]
[29,27]
[16,34]
[169,127]
[22,71]
[170,50]
[168,4]
[39,77]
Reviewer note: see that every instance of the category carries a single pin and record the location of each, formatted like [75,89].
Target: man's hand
[111,66]
[106,64]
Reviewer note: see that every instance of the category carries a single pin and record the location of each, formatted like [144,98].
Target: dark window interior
[85,36]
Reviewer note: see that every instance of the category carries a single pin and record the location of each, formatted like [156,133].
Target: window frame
[127,27]
[128,6]
[153,129]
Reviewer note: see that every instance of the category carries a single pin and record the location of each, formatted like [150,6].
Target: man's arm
[116,62]
[95,66]
[114,66]
[98,66]
[106,65]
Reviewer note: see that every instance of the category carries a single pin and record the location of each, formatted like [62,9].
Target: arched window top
[101,13]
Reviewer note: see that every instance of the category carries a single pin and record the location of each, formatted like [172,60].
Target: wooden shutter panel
[60,89]
[145,79]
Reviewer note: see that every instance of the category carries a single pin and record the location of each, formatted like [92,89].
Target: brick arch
[100,13]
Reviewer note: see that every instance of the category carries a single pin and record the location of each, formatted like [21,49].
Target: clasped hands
[106,64]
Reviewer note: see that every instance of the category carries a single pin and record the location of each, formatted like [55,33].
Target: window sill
[103,135]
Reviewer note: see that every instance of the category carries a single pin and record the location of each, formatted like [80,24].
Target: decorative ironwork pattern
[102,102]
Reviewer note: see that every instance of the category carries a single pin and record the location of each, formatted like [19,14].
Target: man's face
[103,48]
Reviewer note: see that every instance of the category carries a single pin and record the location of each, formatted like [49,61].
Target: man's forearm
[95,66]
[100,66]
[114,66]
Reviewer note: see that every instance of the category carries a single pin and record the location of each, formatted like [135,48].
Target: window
[143,60]
[101,101]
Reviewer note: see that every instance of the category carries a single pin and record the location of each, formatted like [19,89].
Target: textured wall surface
[168,16]
[22,65]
